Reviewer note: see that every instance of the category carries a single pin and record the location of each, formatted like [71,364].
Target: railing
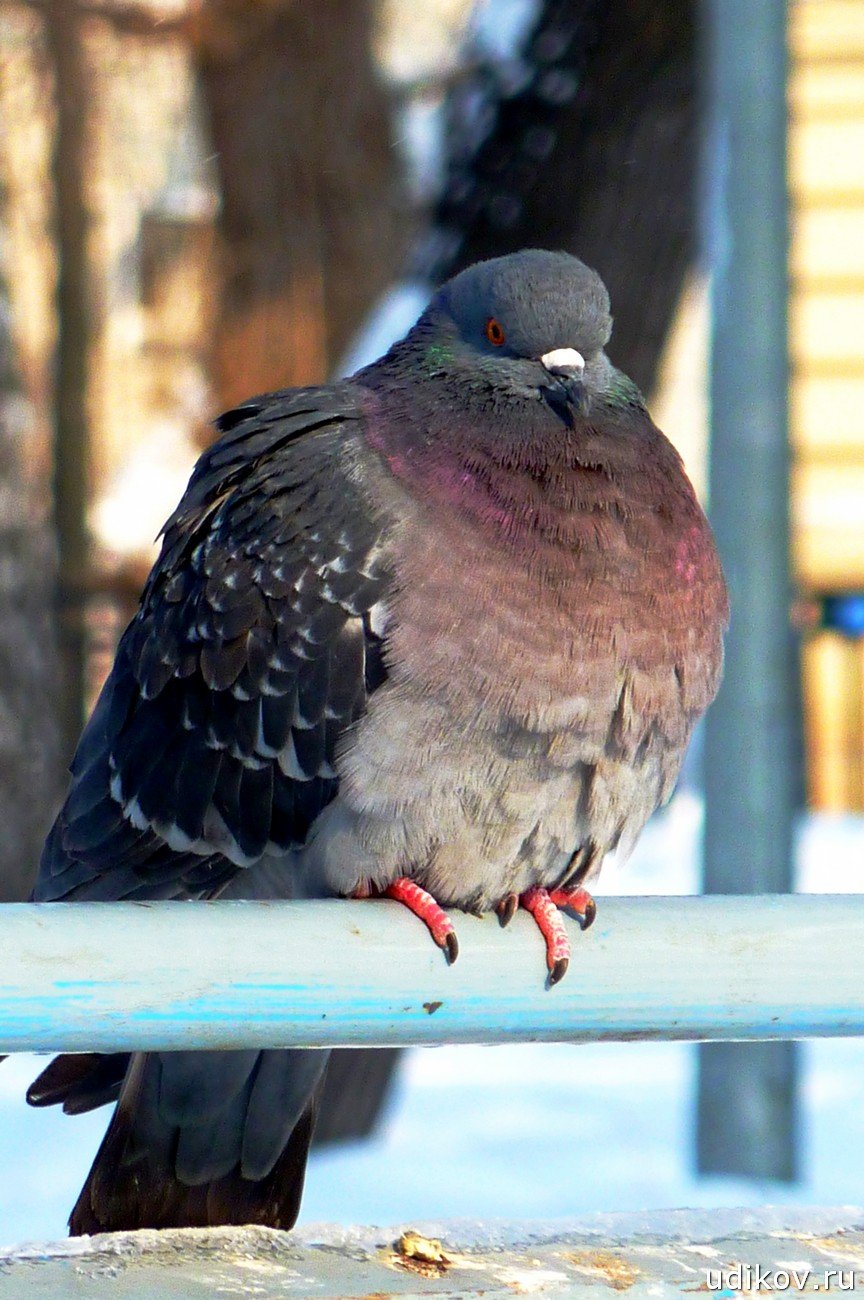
[113,976]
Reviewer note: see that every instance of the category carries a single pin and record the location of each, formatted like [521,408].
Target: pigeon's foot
[578,901]
[544,906]
[432,915]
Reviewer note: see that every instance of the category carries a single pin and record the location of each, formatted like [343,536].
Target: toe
[578,901]
[551,925]
[430,912]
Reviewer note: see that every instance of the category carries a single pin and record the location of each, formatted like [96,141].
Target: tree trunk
[301,141]
[597,155]
[72,357]
[30,765]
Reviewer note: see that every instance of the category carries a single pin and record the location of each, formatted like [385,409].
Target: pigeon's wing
[213,740]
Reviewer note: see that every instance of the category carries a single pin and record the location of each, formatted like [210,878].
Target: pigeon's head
[532,320]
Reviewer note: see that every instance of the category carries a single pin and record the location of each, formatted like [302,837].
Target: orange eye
[494,332]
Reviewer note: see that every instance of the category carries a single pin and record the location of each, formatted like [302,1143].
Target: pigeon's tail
[198,1138]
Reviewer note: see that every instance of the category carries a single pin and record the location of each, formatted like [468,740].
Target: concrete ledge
[119,976]
[672,1253]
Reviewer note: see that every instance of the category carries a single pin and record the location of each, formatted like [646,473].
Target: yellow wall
[826,158]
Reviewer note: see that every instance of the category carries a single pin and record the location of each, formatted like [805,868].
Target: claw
[543,905]
[424,906]
[506,909]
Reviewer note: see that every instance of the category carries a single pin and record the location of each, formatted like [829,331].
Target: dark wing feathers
[214,738]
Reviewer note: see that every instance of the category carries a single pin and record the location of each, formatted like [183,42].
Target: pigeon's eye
[495,332]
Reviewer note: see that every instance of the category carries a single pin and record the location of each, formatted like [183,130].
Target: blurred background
[205,199]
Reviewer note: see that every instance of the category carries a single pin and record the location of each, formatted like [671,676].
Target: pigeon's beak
[567,366]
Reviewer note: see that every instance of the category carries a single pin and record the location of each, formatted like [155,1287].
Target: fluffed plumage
[453,619]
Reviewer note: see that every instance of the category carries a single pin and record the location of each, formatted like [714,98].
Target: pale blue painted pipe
[111,976]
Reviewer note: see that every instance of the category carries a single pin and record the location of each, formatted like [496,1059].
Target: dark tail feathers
[197,1139]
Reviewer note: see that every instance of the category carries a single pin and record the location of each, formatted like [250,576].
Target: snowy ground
[521,1131]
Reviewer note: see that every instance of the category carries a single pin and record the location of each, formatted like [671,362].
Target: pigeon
[439,633]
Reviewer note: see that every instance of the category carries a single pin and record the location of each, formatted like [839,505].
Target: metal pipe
[747,1110]
[117,976]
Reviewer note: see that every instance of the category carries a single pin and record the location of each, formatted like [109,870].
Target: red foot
[422,904]
[578,901]
[544,906]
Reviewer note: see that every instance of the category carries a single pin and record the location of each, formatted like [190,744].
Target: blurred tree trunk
[30,764]
[74,292]
[596,154]
[300,130]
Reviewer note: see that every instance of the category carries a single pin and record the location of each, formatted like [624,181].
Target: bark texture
[309,229]
[596,154]
[30,763]
[74,299]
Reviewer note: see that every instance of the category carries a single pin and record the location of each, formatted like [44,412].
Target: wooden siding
[826,173]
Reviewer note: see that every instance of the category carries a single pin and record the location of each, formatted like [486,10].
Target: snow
[522,1131]
[392,317]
